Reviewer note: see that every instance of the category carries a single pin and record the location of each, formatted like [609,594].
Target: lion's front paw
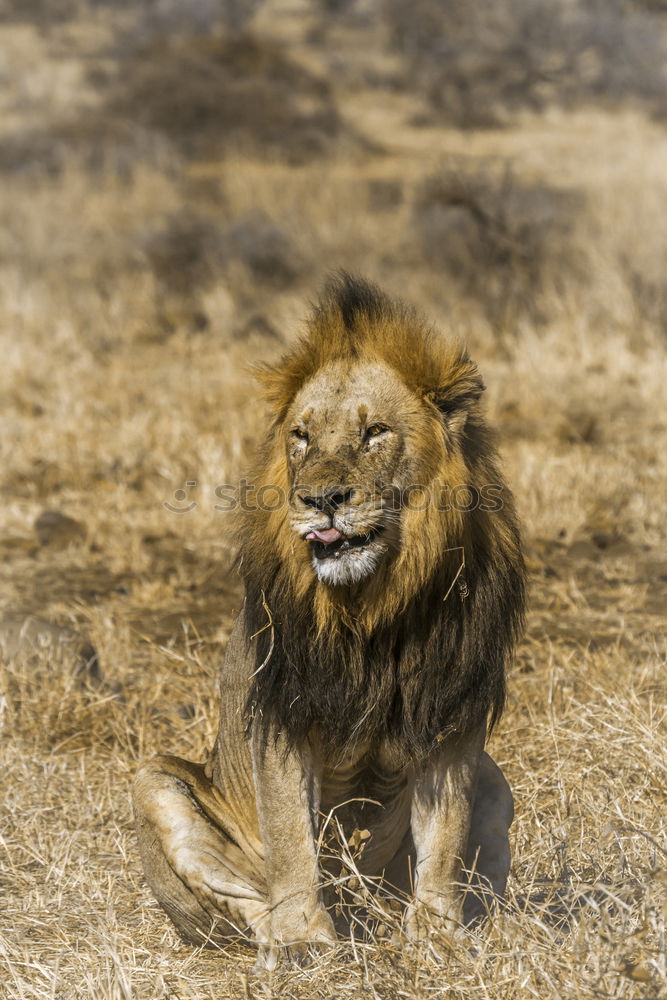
[434,921]
[296,934]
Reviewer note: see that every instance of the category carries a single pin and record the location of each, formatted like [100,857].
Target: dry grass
[121,381]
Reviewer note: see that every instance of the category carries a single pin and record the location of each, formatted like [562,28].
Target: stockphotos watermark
[247,496]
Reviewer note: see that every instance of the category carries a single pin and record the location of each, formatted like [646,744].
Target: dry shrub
[44,13]
[265,249]
[94,144]
[211,95]
[384,194]
[477,61]
[192,96]
[190,253]
[154,18]
[184,252]
[504,241]
[196,17]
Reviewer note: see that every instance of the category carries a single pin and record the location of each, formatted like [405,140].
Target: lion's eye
[299,434]
[374,431]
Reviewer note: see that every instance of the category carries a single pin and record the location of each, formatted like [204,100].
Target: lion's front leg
[441,814]
[287,785]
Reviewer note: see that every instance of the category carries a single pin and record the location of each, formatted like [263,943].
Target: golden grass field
[141,271]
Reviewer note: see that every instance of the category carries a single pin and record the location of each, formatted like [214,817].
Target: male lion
[370,653]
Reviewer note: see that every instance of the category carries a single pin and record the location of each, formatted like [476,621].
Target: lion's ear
[457,396]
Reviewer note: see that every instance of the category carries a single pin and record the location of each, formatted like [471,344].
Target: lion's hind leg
[488,856]
[209,887]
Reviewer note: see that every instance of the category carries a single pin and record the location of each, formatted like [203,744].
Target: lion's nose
[329,500]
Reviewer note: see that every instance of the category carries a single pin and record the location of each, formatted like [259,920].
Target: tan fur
[233,845]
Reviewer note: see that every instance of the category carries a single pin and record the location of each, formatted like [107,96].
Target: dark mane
[353,298]
[438,665]
[439,669]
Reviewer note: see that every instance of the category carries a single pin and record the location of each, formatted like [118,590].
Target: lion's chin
[346,568]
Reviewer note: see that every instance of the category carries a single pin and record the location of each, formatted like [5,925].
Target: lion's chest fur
[368,791]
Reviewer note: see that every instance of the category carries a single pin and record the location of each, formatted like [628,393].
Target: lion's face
[350,438]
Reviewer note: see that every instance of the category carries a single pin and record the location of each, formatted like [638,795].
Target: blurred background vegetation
[177,177]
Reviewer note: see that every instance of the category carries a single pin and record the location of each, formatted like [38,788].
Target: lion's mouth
[331,544]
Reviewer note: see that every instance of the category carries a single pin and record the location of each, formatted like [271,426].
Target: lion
[368,661]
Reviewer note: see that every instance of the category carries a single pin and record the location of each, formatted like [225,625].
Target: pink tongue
[327,536]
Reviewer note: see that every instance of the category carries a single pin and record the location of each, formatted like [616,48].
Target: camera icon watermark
[182,504]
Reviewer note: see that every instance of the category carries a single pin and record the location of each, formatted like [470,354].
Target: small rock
[58,530]
[25,636]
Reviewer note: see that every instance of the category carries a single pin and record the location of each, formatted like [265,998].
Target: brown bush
[163,18]
[504,241]
[184,252]
[154,18]
[210,95]
[477,61]
[189,252]
[94,143]
[266,250]
[184,96]
[40,12]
